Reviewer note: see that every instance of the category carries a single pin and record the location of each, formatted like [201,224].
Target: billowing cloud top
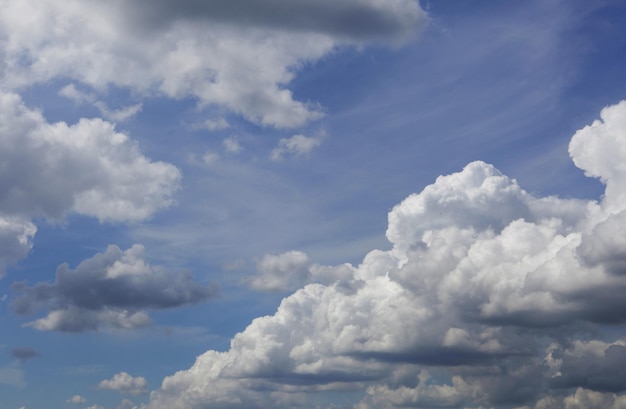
[236,55]
[88,168]
[480,274]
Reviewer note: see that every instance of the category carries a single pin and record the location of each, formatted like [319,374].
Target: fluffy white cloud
[480,274]
[239,57]
[16,240]
[89,168]
[291,270]
[76,399]
[281,272]
[125,383]
[111,289]
[297,145]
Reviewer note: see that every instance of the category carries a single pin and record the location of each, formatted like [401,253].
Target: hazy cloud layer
[486,288]
[239,56]
[111,289]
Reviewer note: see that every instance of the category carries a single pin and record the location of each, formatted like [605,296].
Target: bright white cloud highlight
[88,168]
[126,384]
[479,275]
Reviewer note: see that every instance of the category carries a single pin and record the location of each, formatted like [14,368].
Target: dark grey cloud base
[111,283]
[353,19]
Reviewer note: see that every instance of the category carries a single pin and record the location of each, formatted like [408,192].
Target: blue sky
[366,204]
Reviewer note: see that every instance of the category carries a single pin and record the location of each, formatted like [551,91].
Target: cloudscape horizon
[275,204]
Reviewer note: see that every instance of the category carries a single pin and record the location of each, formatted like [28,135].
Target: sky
[366,204]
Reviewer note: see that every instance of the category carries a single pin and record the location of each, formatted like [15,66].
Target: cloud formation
[76,399]
[297,145]
[87,168]
[357,20]
[239,57]
[126,384]
[112,289]
[50,170]
[16,240]
[486,288]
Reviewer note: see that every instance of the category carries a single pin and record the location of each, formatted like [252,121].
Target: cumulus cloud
[126,384]
[16,240]
[292,269]
[297,145]
[87,168]
[24,353]
[112,289]
[238,57]
[481,300]
[127,404]
[281,272]
[76,399]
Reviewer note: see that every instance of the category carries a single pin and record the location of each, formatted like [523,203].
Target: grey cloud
[111,288]
[602,371]
[353,19]
[237,55]
[24,353]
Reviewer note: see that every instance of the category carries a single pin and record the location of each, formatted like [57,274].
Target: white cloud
[479,275]
[240,57]
[281,272]
[232,145]
[126,384]
[76,399]
[119,115]
[16,240]
[112,289]
[127,404]
[297,145]
[88,168]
